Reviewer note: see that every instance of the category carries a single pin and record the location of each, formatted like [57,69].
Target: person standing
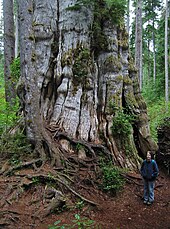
[149,171]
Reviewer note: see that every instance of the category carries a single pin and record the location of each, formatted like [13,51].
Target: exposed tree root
[11,211]
[47,178]
[62,174]
[23,165]
[131,179]
[89,146]
[4,223]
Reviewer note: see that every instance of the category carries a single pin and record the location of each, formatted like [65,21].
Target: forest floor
[22,207]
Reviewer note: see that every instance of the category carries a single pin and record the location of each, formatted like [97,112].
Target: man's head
[148,156]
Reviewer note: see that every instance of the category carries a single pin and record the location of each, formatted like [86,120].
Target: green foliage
[15,69]
[80,58]
[80,204]
[79,222]
[14,146]
[8,116]
[83,222]
[35,180]
[99,41]
[113,106]
[76,7]
[113,10]
[154,92]
[2,99]
[157,112]
[81,63]
[154,28]
[112,178]
[117,9]
[79,146]
[122,124]
[7,112]
[165,122]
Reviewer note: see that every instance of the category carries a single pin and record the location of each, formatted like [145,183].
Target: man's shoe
[145,201]
[149,203]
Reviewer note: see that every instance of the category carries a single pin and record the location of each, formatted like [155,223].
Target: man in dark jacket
[149,171]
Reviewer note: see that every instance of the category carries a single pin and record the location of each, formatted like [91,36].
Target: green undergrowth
[14,147]
[8,112]
[157,112]
[13,142]
[78,222]
[112,179]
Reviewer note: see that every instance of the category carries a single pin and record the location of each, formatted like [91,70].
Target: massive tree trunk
[76,75]
[9,49]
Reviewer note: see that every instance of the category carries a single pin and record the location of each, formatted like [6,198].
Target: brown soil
[23,207]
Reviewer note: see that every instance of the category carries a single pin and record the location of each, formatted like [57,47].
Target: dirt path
[129,212]
[126,211]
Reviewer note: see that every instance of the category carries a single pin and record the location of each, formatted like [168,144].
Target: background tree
[153,52]
[166,55]
[128,17]
[16,28]
[150,12]
[138,41]
[9,49]
[1,36]
[154,93]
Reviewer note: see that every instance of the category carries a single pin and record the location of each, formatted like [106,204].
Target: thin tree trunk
[166,57]
[138,41]
[128,17]
[154,52]
[149,72]
[9,49]
[16,36]
[1,33]
[16,20]
[154,58]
